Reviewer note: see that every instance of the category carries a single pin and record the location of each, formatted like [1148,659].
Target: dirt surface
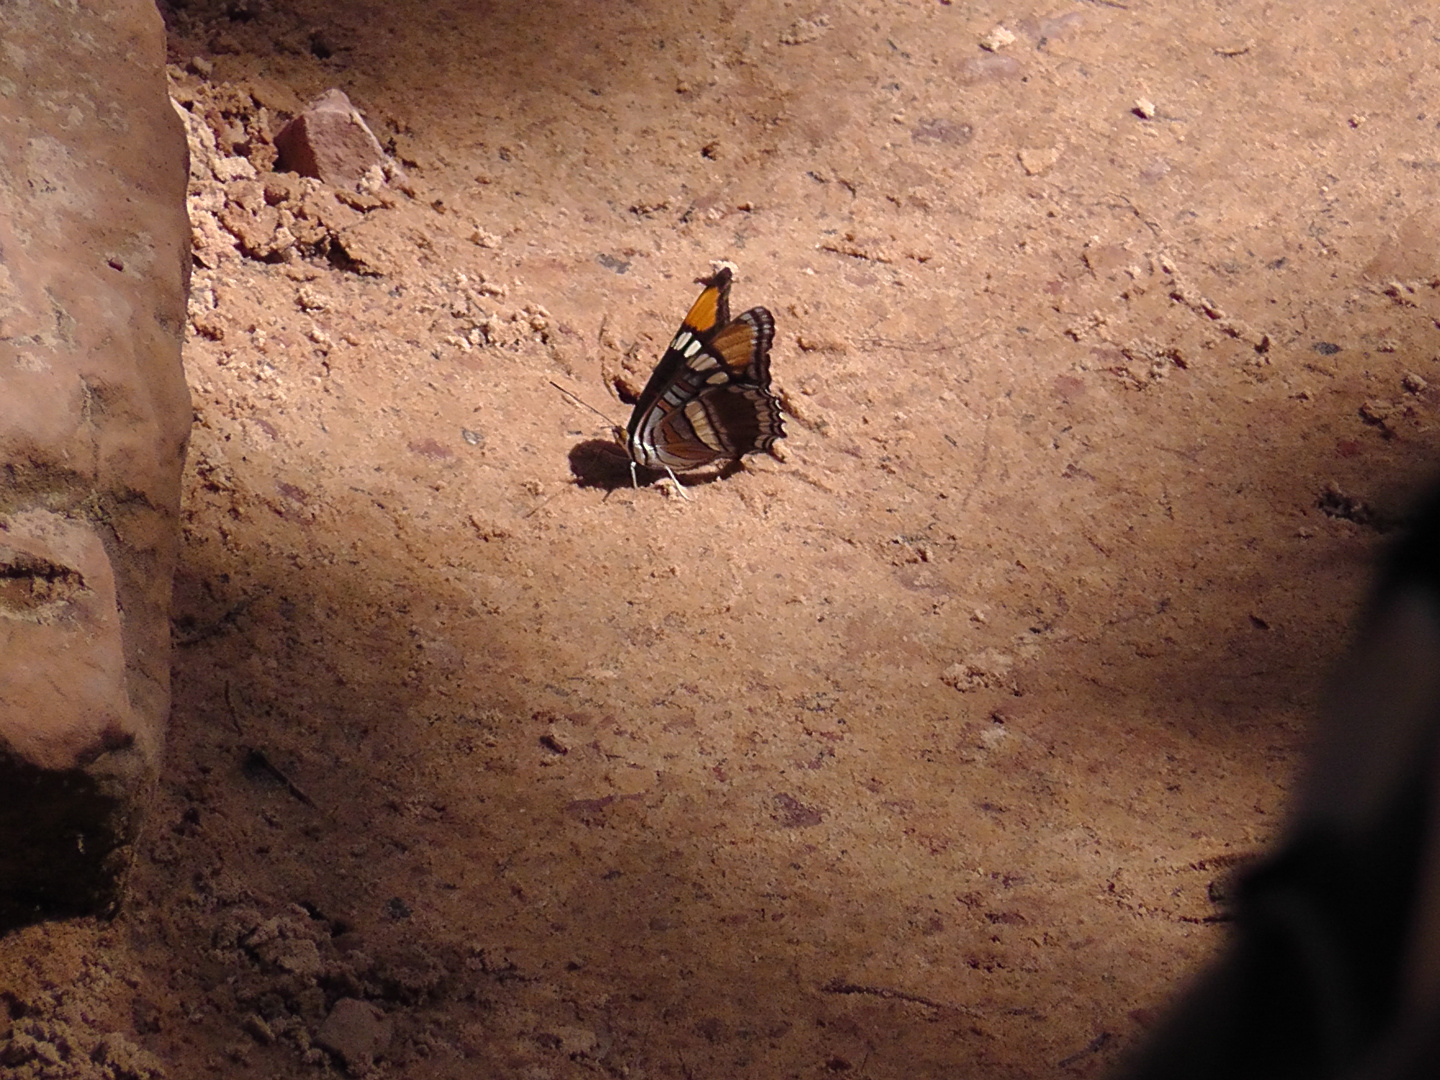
[925,750]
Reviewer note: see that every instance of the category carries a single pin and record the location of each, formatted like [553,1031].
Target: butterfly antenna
[581,401]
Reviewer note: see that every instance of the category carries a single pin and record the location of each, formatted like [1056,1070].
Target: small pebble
[1144,108]
[1377,412]
[997,39]
[1037,161]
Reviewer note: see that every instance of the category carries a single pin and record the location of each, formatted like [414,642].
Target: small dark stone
[356,1032]
[322,45]
[145,1015]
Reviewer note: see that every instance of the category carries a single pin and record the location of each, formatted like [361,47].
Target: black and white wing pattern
[709,398]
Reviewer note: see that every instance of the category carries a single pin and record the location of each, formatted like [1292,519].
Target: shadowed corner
[1333,969]
[69,838]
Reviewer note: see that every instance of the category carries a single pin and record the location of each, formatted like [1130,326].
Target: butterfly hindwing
[741,419]
[720,423]
[744,345]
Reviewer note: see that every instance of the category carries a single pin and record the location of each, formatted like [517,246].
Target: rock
[1038,161]
[803,31]
[368,247]
[999,38]
[255,1025]
[1378,413]
[571,1041]
[37,1047]
[988,669]
[94,416]
[63,694]
[356,1032]
[235,211]
[409,974]
[329,141]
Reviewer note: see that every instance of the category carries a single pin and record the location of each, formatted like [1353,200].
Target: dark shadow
[327,741]
[596,463]
[501,49]
[1234,678]
[52,845]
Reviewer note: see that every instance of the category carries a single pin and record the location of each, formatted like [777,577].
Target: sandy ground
[925,750]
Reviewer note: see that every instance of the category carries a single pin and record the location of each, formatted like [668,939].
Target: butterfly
[709,398]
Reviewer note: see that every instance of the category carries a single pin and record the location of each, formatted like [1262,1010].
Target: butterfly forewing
[711,309]
[704,317]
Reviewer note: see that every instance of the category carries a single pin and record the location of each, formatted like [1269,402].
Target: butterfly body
[709,398]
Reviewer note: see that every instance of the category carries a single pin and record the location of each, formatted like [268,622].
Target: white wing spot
[691,349]
[700,423]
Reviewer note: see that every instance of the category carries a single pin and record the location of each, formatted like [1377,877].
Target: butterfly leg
[676,482]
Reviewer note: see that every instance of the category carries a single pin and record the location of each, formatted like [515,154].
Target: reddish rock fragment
[94,418]
[329,141]
[356,1032]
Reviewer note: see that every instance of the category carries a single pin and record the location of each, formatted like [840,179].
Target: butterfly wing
[710,311]
[722,423]
[743,346]
[709,397]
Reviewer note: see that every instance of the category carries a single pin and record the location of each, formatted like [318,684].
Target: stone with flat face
[94,417]
[329,141]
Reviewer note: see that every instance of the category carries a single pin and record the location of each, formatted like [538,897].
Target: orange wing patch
[712,307]
[704,312]
[735,345]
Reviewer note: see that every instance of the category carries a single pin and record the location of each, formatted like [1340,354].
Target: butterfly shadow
[596,463]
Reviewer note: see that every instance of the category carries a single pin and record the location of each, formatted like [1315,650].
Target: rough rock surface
[94,416]
[356,1032]
[330,141]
